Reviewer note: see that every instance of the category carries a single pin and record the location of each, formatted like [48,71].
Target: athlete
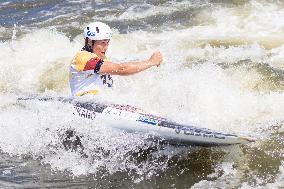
[90,70]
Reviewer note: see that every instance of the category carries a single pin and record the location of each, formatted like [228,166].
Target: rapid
[223,69]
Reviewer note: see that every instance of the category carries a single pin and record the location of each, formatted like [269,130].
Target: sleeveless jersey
[84,74]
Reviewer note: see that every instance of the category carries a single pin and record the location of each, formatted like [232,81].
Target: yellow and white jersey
[84,74]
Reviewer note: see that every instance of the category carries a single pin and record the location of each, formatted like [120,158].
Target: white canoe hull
[131,119]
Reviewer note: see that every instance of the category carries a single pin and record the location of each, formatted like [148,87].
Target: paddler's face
[100,47]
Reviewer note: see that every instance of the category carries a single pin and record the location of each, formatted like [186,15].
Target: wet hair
[87,47]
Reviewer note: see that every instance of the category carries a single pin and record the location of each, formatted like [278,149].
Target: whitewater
[223,69]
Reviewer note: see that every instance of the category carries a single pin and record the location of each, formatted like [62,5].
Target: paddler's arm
[129,68]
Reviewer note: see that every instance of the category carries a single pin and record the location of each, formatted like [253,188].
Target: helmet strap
[86,41]
[93,42]
[87,46]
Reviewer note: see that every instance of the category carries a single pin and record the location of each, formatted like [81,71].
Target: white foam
[199,82]
[30,63]
[147,10]
[277,57]
[6,3]
[204,94]
[27,130]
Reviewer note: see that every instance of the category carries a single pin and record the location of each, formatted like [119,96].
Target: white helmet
[97,31]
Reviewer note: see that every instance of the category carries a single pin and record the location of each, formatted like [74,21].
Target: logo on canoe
[149,120]
[82,112]
[199,132]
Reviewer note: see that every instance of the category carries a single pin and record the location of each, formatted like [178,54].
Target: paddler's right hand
[156,58]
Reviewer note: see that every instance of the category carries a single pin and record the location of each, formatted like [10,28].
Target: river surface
[223,69]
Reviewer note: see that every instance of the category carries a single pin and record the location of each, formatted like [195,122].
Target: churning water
[223,69]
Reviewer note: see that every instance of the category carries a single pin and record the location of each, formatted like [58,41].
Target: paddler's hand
[156,59]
